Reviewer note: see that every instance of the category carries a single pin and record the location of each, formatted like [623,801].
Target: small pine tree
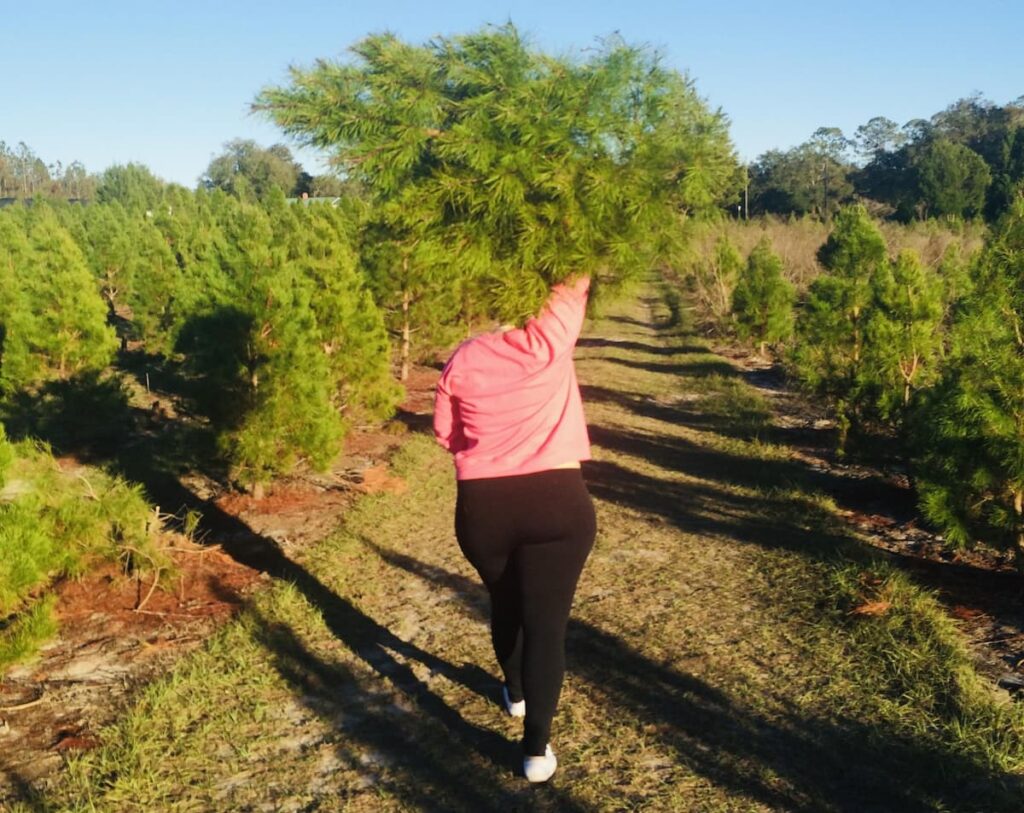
[716,277]
[829,353]
[258,352]
[6,455]
[155,298]
[762,301]
[904,336]
[106,238]
[18,365]
[288,412]
[67,331]
[135,269]
[954,272]
[969,431]
[189,226]
[351,326]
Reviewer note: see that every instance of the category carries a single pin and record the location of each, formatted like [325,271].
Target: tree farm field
[228,572]
[735,644]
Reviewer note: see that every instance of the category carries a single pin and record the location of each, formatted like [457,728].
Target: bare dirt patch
[114,633]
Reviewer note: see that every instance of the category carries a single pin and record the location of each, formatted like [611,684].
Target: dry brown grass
[797,240]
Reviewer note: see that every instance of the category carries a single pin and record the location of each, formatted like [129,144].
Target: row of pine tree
[933,355]
[264,304]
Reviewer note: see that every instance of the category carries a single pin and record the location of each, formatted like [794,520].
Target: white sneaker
[515,708]
[540,769]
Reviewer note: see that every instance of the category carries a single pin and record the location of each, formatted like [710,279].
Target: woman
[508,408]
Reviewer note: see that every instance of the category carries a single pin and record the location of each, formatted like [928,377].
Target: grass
[918,671]
[733,646]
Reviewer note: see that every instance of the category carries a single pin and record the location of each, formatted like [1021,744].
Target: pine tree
[65,332]
[762,300]
[903,333]
[288,415]
[318,241]
[954,272]
[189,226]
[135,269]
[18,365]
[969,431]
[495,171]
[716,277]
[106,238]
[134,186]
[155,298]
[6,455]
[257,349]
[829,354]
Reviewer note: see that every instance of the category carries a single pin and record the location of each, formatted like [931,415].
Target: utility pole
[824,202]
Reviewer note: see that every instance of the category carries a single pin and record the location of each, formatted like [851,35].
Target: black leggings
[528,536]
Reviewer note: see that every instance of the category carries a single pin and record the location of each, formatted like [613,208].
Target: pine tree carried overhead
[495,171]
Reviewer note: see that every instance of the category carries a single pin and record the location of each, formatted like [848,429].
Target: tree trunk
[405,335]
[1018,507]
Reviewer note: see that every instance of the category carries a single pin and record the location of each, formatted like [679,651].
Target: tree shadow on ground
[685,505]
[704,367]
[417,748]
[790,762]
[698,508]
[421,422]
[421,755]
[632,346]
[155,454]
[426,754]
[736,420]
[860,493]
[93,419]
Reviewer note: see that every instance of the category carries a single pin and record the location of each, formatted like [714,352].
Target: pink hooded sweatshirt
[508,403]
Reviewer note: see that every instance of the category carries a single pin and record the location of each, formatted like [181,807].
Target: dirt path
[699,676]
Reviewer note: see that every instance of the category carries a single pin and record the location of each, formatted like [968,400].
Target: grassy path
[716,658]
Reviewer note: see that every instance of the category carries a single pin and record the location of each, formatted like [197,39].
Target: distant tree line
[244,169]
[966,161]
[23,174]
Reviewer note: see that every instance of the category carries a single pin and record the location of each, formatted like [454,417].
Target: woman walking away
[508,408]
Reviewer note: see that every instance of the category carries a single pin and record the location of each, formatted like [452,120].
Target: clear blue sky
[168,83]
